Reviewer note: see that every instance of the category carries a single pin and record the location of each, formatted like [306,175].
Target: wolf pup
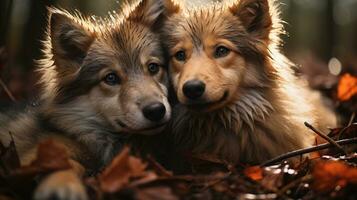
[239,100]
[102,81]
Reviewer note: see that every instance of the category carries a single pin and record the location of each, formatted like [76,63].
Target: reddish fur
[263,115]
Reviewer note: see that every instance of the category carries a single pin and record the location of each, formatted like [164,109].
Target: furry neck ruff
[251,129]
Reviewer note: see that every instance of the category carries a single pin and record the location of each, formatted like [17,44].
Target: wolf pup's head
[219,51]
[112,71]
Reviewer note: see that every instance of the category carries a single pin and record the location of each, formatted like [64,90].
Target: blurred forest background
[322,39]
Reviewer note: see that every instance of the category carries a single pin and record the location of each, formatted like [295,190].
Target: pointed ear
[70,41]
[149,12]
[254,15]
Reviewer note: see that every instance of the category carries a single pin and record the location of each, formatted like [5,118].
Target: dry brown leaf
[255,173]
[159,169]
[9,158]
[208,158]
[51,156]
[155,193]
[347,87]
[348,132]
[119,172]
[314,155]
[275,176]
[331,174]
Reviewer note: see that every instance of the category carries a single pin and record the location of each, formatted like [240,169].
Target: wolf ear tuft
[149,12]
[69,39]
[254,15]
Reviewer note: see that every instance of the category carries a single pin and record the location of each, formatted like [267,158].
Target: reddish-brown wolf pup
[239,100]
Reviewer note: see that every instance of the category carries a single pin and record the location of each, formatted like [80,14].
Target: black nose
[154,111]
[194,89]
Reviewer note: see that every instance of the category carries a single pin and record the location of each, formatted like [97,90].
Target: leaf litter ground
[330,172]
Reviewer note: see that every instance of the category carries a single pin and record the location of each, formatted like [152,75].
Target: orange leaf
[314,155]
[255,173]
[330,174]
[347,87]
[51,156]
[119,172]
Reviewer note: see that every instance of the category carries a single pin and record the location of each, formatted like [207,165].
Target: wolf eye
[112,79]
[221,51]
[180,56]
[153,68]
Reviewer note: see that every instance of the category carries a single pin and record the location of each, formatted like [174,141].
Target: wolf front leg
[63,185]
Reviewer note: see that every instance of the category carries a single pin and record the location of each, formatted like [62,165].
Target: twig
[294,183]
[219,180]
[352,118]
[350,123]
[8,92]
[327,138]
[308,150]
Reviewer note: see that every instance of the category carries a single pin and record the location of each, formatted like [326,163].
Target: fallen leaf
[315,155]
[206,163]
[159,169]
[119,172]
[9,158]
[328,175]
[255,173]
[275,176]
[208,158]
[343,133]
[347,87]
[51,156]
[20,181]
[155,193]
[147,177]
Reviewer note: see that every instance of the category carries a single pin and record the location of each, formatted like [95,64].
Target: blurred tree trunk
[330,31]
[34,29]
[5,11]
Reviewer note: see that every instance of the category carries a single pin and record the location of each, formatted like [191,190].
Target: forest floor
[330,171]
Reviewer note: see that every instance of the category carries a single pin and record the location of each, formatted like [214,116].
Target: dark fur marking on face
[87,78]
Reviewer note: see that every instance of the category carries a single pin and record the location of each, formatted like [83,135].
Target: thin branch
[308,150]
[327,138]
[219,180]
[350,123]
[352,119]
[294,183]
[8,92]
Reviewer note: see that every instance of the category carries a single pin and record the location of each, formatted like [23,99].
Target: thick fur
[253,108]
[78,108]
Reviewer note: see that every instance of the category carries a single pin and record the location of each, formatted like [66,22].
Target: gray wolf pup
[103,80]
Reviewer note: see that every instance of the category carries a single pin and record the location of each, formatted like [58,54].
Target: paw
[64,185]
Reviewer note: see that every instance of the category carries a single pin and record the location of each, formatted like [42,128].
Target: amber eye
[153,68]
[112,79]
[180,56]
[221,52]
